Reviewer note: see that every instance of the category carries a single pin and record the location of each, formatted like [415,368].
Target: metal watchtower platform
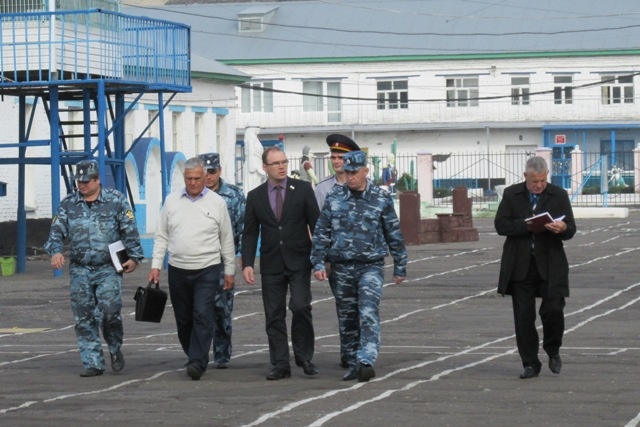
[90,59]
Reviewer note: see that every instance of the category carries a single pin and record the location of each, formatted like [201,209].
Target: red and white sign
[561,139]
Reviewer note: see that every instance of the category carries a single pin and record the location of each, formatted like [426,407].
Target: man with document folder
[91,219]
[534,264]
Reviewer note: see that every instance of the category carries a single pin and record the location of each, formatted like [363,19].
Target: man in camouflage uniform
[91,219]
[357,228]
[339,146]
[234,198]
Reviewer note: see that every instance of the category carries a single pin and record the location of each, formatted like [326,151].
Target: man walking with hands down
[339,146]
[195,229]
[534,264]
[356,229]
[282,211]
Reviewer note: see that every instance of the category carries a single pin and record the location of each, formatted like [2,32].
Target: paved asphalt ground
[448,354]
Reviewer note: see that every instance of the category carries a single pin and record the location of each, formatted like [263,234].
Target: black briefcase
[150,303]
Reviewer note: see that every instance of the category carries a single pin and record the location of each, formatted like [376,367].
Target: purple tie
[279,202]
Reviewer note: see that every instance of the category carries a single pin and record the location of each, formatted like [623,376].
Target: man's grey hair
[537,165]
[194,163]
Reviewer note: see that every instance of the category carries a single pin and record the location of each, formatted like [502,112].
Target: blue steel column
[54,123]
[101,115]
[613,148]
[86,116]
[164,166]
[119,144]
[21,237]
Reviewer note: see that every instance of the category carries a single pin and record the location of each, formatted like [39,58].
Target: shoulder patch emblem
[129,214]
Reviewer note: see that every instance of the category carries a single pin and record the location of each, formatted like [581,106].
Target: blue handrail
[79,46]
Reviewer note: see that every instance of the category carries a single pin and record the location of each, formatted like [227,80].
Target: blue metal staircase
[93,59]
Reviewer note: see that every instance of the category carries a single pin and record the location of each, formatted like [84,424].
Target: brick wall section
[454,227]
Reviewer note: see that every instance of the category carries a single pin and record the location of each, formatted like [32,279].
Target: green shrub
[618,189]
[591,190]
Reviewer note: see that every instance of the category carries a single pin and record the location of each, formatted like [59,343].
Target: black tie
[279,202]
[534,201]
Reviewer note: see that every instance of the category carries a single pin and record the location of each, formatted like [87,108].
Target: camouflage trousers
[358,292]
[96,301]
[222,323]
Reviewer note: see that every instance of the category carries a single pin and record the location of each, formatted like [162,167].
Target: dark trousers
[274,298]
[193,298]
[524,295]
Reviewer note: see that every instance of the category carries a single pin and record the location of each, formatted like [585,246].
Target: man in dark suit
[283,212]
[535,264]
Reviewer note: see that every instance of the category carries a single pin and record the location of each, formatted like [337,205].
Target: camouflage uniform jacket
[91,229]
[358,229]
[234,197]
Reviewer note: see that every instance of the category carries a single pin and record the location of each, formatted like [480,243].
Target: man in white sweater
[195,229]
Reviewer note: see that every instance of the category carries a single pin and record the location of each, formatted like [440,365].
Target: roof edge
[454,57]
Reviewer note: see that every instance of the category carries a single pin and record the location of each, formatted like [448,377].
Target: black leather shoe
[555,364]
[278,374]
[309,368]
[91,372]
[365,373]
[117,361]
[193,372]
[529,372]
[222,365]
[351,374]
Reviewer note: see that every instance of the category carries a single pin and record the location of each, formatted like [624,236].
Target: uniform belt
[358,262]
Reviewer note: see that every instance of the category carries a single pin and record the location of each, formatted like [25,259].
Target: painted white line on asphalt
[321,421]
[104,390]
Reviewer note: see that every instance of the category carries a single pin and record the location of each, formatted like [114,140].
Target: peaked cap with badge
[211,160]
[341,143]
[354,160]
[86,170]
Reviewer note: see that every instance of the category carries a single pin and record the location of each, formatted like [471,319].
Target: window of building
[563,89]
[250,24]
[258,97]
[617,89]
[219,124]
[393,94]
[175,130]
[252,20]
[462,92]
[312,98]
[21,6]
[334,103]
[315,93]
[520,90]
[622,157]
[198,124]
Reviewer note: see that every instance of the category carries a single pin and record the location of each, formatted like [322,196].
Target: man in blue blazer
[282,212]
[534,264]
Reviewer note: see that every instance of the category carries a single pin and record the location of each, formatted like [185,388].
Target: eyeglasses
[282,163]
